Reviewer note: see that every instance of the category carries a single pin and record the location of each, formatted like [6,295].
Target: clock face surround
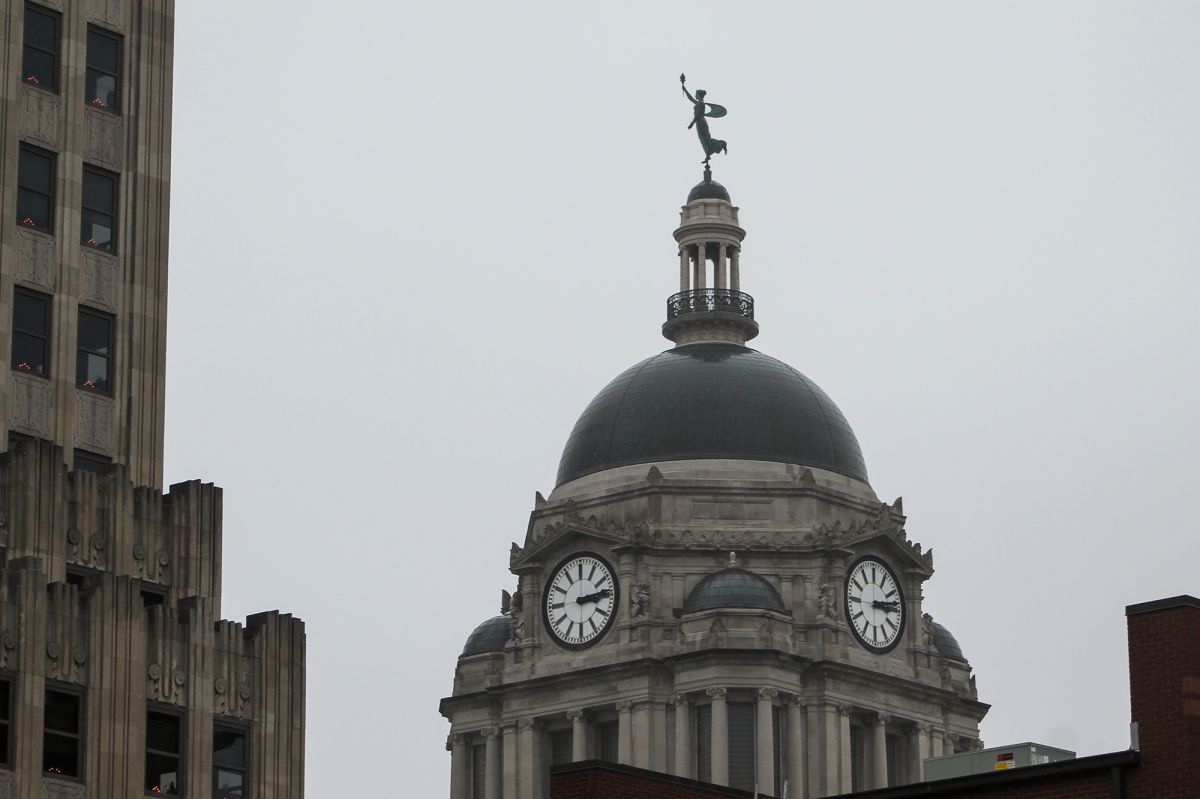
[875,605]
[580,600]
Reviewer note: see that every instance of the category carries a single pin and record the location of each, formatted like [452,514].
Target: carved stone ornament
[139,552]
[8,643]
[220,686]
[35,261]
[8,785]
[526,724]
[62,789]
[99,279]
[94,421]
[53,650]
[31,404]
[768,693]
[716,693]
[574,715]
[827,602]
[111,12]
[39,122]
[105,137]
[639,602]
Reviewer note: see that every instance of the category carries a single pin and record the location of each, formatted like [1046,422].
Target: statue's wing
[714,110]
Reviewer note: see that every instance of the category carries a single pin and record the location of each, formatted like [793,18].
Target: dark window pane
[741,745]
[60,754]
[37,171]
[162,774]
[62,712]
[33,209]
[39,69]
[96,229]
[229,748]
[103,52]
[609,734]
[101,90]
[704,743]
[29,354]
[162,732]
[4,744]
[95,332]
[41,29]
[99,191]
[92,373]
[227,784]
[893,759]
[478,772]
[560,747]
[31,313]
[5,709]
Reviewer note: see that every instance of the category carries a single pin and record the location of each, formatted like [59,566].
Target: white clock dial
[580,600]
[874,605]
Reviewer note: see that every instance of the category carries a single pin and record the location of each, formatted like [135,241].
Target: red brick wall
[1164,698]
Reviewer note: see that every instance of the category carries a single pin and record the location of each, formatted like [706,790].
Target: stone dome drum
[711,401]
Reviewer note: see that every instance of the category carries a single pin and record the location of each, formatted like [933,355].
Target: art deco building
[713,589]
[118,677]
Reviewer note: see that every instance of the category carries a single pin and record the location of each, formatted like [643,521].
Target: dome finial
[733,560]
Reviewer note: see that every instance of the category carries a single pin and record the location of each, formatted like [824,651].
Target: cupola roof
[733,587]
[491,636]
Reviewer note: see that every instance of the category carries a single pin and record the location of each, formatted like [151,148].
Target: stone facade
[110,589]
[757,694]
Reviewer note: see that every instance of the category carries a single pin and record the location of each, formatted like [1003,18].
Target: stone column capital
[883,719]
[924,727]
[682,699]
[526,723]
[490,732]
[844,709]
[795,700]
[574,715]
[625,706]
[768,693]
[716,693]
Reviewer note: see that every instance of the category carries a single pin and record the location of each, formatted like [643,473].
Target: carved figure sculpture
[927,629]
[515,612]
[640,601]
[827,602]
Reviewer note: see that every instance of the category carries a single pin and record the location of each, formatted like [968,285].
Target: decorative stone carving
[716,693]
[927,630]
[574,715]
[35,261]
[924,727]
[490,732]
[516,612]
[8,645]
[8,785]
[682,699]
[827,602]
[624,707]
[94,422]
[883,719]
[526,724]
[768,693]
[639,602]
[31,404]
[99,278]
[105,139]
[111,12]
[39,120]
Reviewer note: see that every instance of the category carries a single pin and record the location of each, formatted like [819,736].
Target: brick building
[1164,762]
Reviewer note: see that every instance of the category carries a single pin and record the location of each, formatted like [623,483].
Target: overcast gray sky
[411,240]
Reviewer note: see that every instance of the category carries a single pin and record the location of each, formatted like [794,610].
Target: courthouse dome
[491,636]
[711,401]
[733,588]
[946,644]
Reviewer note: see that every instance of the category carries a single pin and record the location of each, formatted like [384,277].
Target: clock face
[580,600]
[874,605]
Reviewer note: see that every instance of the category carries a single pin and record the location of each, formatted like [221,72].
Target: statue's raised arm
[701,110]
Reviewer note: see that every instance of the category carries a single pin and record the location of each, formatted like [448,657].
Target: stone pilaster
[845,765]
[766,739]
[492,766]
[529,757]
[508,750]
[921,731]
[460,766]
[684,748]
[795,777]
[720,736]
[625,733]
[879,778]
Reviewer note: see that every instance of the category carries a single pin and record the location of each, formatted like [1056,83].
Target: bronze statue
[701,110]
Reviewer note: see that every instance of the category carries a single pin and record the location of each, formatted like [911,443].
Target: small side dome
[491,636]
[709,190]
[946,644]
[734,587]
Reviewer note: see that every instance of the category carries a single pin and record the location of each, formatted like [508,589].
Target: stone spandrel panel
[105,139]
[61,789]
[110,12]
[39,118]
[8,785]
[31,405]
[35,259]
[99,279]
[94,422]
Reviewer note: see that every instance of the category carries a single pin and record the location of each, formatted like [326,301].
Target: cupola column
[766,739]
[735,280]
[720,737]
[683,736]
[719,267]
[701,266]
[879,752]
[684,267]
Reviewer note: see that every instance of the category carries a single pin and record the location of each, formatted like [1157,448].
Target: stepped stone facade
[118,676]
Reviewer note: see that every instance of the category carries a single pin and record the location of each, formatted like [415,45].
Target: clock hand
[583,600]
[893,605]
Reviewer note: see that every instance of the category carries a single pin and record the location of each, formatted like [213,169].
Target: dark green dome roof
[946,644]
[709,190]
[734,587]
[705,401]
[491,636]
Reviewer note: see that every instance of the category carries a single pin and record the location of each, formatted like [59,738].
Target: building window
[703,739]
[5,721]
[61,733]
[478,771]
[561,743]
[40,61]
[163,745]
[229,763]
[892,745]
[858,764]
[608,736]
[741,745]
[31,332]
[95,351]
[103,82]
[99,212]
[35,189]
